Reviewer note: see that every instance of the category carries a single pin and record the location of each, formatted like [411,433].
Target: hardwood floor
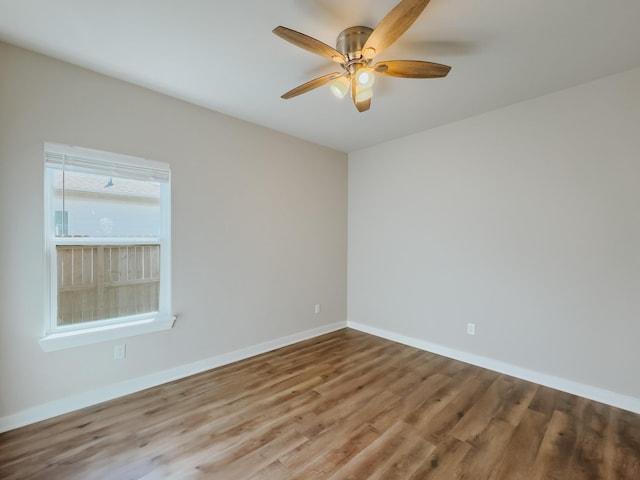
[346,405]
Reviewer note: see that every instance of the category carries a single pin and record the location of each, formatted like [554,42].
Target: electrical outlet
[471,328]
[119,351]
[316,309]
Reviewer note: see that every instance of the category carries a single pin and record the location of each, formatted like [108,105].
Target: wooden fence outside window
[97,282]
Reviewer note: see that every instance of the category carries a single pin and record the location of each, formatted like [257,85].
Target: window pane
[105,207]
[62,220]
[107,231]
[101,282]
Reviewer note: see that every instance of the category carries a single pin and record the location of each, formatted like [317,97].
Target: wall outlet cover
[119,351]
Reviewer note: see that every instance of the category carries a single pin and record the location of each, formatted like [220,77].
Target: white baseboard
[93,397]
[608,397]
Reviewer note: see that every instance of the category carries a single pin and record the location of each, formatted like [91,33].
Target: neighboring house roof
[104,185]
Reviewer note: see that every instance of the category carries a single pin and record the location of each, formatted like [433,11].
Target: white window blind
[79,159]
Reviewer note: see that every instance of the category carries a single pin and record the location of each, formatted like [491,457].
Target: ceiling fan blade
[309,43]
[362,105]
[412,69]
[392,26]
[310,85]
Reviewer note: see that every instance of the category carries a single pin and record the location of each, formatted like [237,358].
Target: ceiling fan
[355,49]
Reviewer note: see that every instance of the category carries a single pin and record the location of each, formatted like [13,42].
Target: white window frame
[68,336]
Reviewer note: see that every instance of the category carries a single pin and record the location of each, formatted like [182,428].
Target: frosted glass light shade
[365,77]
[339,86]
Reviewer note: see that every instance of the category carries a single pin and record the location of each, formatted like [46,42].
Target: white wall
[525,221]
[259,232]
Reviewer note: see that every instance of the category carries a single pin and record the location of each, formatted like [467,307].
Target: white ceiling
[223,56]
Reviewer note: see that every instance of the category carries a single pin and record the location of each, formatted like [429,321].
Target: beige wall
[259,227]
[524,221]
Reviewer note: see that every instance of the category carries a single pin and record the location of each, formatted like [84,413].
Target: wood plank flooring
[346,405]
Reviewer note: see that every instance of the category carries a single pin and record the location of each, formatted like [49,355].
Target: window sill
[77,338]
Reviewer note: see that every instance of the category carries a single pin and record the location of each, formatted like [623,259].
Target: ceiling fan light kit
[355,49]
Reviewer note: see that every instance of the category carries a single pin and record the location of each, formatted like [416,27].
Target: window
[107,227]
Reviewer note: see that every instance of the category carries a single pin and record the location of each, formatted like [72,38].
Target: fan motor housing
[351,41]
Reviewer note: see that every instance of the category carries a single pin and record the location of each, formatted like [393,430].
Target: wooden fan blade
[412,69]
[310,85]
[392,26]
[309,43]
[363,105]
